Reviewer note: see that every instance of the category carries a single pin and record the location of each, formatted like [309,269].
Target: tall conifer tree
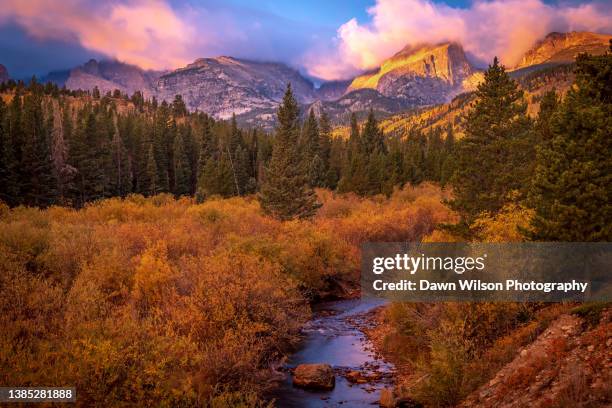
[9,188]
[496,154]
[572,188]
[285,193]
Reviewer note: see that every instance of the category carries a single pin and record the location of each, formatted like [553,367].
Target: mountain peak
[109,75]
[204,62]
[413,51]
[422,73]
[562,48]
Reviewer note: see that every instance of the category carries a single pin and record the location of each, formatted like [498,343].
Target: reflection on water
[333,337]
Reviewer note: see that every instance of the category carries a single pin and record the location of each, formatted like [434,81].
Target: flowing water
[334,337]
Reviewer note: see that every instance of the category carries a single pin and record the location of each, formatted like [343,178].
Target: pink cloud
[506,28]
[146,33]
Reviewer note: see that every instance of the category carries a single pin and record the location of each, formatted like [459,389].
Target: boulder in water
[356,377]
[314,376]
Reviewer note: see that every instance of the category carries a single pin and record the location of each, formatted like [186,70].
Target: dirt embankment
[569,364]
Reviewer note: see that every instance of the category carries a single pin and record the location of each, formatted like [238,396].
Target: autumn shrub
[167,302]
[509,225]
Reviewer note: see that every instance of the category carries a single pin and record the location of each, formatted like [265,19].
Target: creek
[334,336]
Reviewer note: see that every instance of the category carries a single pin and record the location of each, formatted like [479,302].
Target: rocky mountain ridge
[224,85]
[560,48]
[111,75]
[416,76]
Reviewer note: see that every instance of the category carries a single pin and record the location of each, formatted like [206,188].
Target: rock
[314,376]
[387,400]
[354,376]
[357,377]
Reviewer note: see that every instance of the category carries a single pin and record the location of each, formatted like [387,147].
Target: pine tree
[572,187]
[330,178]
[548,106]
[118,172]
[238,159]
[163,141]
[435,155]
[207,168]
[448,164]
[179,108]
[240,167]
[9,188]
[353,167]
[191,153]
[285,193]
[311,152]
[138,101]
[396,162]
[131,131]
[17,138]
[40,189]
[61,134]
[372,155]
[90,155]
[414,161]
[150,176]
[206,144]
[182,167]
[372,139]
[217,178]
[496,155]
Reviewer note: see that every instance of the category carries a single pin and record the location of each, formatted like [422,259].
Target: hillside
[535,84]
[558,358]
[567,365]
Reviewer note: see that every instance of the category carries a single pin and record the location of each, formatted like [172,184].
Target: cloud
[155,34]
[147,33]
[506,28]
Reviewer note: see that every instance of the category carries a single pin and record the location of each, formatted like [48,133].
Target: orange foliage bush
[156,301]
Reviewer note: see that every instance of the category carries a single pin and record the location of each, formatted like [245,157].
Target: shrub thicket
[158,301]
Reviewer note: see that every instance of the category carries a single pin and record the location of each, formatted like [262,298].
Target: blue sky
[320,37]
